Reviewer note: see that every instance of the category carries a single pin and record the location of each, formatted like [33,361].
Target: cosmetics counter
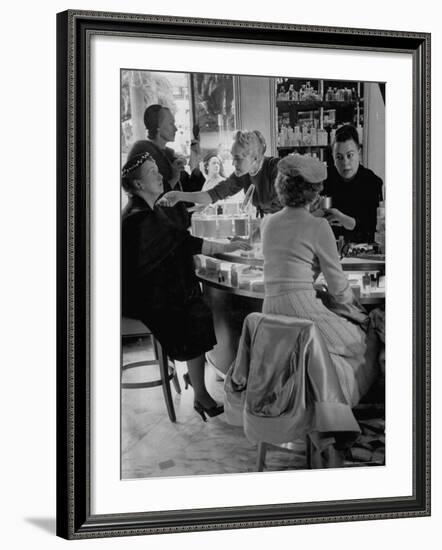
[233,285]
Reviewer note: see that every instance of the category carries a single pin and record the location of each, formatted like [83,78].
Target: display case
[309,111]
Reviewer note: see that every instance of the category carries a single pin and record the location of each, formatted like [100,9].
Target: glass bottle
[366,283]
[234,276]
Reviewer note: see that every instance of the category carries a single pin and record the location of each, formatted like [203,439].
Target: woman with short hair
[251,167]
[161,129]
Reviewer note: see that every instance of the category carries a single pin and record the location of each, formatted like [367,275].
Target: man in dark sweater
[355,190]
[251,167]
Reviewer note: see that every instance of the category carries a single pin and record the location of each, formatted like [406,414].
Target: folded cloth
[283,383]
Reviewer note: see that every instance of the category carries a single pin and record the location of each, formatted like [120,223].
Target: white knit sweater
[296,247]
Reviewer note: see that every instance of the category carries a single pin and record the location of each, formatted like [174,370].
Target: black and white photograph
[253,278]
[243,239]
[224,235]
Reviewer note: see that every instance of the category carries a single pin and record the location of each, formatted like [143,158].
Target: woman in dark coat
[159,285]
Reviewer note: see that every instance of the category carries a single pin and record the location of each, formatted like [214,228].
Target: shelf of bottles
[310,111]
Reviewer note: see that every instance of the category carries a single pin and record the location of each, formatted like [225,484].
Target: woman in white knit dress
[297,246]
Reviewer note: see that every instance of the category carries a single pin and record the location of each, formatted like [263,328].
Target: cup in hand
[325,203]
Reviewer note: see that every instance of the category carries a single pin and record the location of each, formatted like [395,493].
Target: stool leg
[262,450]
[314,455]
[175,381]
[164,370]
[308,452]
[328,457]
[155,345]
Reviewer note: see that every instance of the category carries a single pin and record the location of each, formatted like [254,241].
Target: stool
[368,449]
[131,328]
[291,447]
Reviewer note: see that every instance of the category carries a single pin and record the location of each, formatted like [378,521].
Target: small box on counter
[257,285]
[212,264]
[249,275]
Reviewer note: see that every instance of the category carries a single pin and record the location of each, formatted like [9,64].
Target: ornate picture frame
[75,516]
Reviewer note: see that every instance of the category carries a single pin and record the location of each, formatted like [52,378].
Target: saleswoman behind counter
[355,190]
[251,167]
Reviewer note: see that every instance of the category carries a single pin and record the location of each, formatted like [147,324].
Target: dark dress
[358,198]
[192,183]
[159,285]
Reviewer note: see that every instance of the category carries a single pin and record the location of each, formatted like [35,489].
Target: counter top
[368,299]
[348,263]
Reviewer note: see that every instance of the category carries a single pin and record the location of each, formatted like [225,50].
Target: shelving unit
[308,112]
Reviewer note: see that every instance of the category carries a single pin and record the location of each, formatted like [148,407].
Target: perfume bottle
[234,276]
[366,283]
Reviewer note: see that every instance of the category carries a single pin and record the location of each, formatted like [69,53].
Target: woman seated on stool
[296,247]
[159,285]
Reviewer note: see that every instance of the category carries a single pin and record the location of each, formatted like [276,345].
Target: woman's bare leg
[196,372]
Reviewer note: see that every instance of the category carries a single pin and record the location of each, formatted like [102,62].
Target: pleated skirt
[352,349]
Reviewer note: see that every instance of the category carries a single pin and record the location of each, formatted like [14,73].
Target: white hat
[311,169]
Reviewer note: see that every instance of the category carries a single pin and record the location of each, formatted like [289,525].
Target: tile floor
[153,446]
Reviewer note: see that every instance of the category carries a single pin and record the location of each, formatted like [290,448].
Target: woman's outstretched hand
[170,199]
[237,244]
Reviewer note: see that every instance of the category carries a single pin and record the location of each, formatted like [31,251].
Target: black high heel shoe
[213,411]
[187,381]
